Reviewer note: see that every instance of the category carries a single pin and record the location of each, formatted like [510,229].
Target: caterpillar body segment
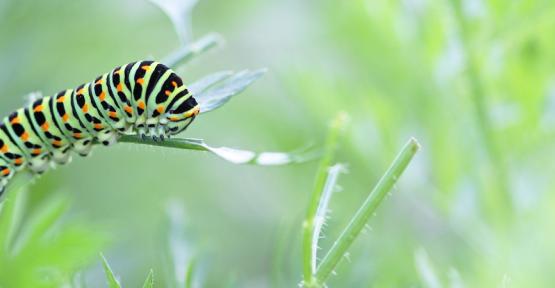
[144,97]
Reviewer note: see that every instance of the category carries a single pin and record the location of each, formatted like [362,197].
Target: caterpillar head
[181,114]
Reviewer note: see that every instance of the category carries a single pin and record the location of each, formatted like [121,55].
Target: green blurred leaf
[149,282]
[110,277]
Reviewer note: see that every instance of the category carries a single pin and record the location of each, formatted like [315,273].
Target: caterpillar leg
[39,164]
[83,147]
[107,137]
[61,156]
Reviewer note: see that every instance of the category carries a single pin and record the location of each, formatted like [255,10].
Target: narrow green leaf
[110,277]
[11,212]
[40,222]
[190,273]
[322,211]
[425,269]
[207,81]
[321,175]
[149,282]
[179,12]
[224,88]
[359,220]
[187,53]
[235,156]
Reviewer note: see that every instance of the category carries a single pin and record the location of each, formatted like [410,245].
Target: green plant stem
[321,175]
[188,52]
[485,126]
[357,223]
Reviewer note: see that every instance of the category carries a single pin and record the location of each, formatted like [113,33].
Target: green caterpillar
[143,97]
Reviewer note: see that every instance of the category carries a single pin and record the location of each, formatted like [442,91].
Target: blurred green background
[472,80]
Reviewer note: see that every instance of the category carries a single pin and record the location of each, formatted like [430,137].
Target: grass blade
[425,269]
[110,277]
[321,213]
[359,220]
[149,282]
[309,223]
[190,273]
[40,222]
[11,213]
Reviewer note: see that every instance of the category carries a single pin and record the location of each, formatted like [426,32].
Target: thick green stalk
[357,223]
[321,175]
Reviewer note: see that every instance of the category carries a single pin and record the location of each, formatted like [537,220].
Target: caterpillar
[143,97]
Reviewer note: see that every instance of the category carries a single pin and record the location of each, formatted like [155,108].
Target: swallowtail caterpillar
[144,97]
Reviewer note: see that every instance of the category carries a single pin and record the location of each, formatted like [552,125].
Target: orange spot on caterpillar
[102,96]
[61,99]
[85,108]
[168,92]
[81,91]
[5,172]
[119,87]
[174,118]
[113,114]
[36,151]
[145,67]
[128,109]
[18,161]
[65,117]
[99,81]
[174,84]
[141,104]
[15,120]
[192,112]
[38,108]
[4,148]
[77,135]
[140,81]
[98,126]
[44,126]
[25,136]
[57,143]
[160,109]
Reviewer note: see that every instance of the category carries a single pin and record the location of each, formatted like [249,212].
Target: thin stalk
[478,95]
[357,223]
[188,52]
[321,175]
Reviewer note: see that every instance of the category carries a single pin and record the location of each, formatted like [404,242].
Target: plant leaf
[187,53]
[149,282]
[207,81]
[179,12]
[40,222]
[235,156]
[222,88]
[110,277]
[321,213]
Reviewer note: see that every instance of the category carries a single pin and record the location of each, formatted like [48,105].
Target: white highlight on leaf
[322,211]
